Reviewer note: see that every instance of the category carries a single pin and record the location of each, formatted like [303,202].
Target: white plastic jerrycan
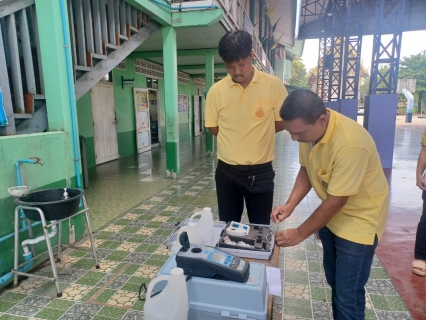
[193,235]
[172,302]
[205,226]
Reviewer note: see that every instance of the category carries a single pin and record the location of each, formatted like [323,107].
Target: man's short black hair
[304,104]
[235,45]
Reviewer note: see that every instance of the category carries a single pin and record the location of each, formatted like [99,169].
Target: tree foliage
[414,67]
[299,74]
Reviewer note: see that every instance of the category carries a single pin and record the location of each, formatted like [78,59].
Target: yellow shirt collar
[257,77]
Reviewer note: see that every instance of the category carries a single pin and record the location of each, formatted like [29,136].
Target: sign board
[409,84]
[182,103]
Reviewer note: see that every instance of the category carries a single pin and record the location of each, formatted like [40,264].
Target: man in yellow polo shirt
[242,110]
[339,160]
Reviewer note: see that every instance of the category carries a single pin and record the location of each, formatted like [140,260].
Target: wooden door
[104,122]
[143,123]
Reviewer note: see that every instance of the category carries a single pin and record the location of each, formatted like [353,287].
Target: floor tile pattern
[131,243]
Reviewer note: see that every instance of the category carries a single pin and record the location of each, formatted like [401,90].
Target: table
[272,262]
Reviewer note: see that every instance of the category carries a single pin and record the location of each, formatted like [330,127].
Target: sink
[52,202]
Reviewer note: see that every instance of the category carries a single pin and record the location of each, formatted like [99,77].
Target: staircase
[102,32]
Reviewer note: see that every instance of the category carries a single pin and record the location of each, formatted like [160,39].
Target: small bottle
[65,196]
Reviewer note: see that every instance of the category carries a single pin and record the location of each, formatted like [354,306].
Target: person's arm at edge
[214,130]
[421,166]
[281,94]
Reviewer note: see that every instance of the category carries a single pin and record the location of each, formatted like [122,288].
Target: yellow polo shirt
[345,162]
[245,117]
[423,142]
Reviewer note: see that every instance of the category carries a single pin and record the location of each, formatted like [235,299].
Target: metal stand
[49,245]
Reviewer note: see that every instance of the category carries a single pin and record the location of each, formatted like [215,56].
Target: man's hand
[214,130]
[421,183]
[281,212]
[288,238]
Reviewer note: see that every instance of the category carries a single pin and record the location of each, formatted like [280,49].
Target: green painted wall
[126,128]
[85,127]
[51,148]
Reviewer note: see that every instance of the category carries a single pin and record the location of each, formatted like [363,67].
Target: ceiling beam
[200,66]
[204,18]
[180,53]
[156,12]
[203,75]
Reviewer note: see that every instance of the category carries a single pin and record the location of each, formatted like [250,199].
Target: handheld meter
[207,262]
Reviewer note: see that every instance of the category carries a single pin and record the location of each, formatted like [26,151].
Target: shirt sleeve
[423,142]
[212,114]
[348,172]
[279,99]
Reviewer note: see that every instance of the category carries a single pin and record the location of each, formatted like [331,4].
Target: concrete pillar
[380,122]
[58,100]
[171,101]
[209,83]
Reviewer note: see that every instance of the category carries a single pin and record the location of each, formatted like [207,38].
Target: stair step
[108,47]
[23,115]
[98,56]
[119,38]
[80,70]
[94,56]
[142,22]
[133,29]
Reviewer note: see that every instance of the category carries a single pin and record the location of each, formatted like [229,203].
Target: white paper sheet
[273,276]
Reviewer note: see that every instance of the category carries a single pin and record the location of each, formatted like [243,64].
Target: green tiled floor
[133,218]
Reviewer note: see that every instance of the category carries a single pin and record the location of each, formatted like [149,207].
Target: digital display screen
[218,257]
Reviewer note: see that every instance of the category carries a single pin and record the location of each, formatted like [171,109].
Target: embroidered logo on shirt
[259,112]
[325,185]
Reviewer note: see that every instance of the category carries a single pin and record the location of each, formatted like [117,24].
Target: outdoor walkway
[134,209]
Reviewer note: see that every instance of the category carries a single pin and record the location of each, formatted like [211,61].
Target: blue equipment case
[219,299]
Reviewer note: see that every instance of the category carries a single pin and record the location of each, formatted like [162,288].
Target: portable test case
[259,236]
[219,299]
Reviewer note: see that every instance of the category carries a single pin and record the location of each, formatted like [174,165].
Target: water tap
[37,160]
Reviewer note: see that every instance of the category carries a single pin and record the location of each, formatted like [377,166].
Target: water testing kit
[211,299]
[259,239]
[247,240]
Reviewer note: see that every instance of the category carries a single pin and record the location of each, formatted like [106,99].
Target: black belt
[245,166]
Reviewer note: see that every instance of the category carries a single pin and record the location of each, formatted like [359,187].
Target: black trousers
[420,246]
[233,187]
